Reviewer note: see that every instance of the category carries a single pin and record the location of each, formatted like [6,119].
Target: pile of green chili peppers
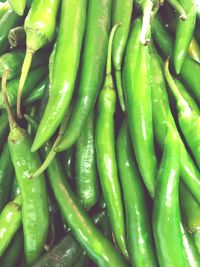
[100,133]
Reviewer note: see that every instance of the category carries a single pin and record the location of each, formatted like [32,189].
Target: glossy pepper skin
[33,191]
[40,28]
[85,166]
[10,221]
[166,213]
[106,156]
[122,12]
[138,105]
[4,7]
[190,71]
[93,64]
[161,114]
[63,78]
[18,6]
[188,118]
[184,34]
[6,175]
[140,244]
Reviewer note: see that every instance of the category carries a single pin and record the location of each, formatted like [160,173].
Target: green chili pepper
[34,78]
[4,7]
[17,37]
[18,6]
[85,166]
[139,234]
[122,12]
[138,105]
[194,50]
[3,128]
[190,71]
[40,27]
[6,175]
[189,119]
[191,214]
[12,253]
[178,7]
[10,221]
[193,257]
[33,191]
[161,114]
[14,59]
[105,152]
[184,34]
[37,93]
[68,161]
[63,78]
[166,213]
[15,191]
[94,58]
[7,22]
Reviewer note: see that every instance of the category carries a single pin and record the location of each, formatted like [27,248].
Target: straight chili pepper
[166,213]
[63,78]
[4,128]
[18,6]
[105,152]
[162,113]
[10,221]
[178,7]
[40,27]
[140,242]
[188,118]
[85,166]
[34,198]
[6,175]
[184,34]
[94,58]
[138,105]
[122,12]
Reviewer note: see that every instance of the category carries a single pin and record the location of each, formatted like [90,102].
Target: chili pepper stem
[144,39]
[120,89]
[177,6]
[24,73]
[11,118]
[179,98]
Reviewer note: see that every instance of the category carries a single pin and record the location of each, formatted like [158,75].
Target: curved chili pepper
[18,6]
[34,199]
[122,12]
[6,175]
[162,113]
[184,34]
[40,27]
[10,221]
[71,28]
[137,222]
[94,58]
[34,78]
[188,118]
[190,71]
[138,105]
[166,213]
[85,166]
[105,152]
[7,22]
